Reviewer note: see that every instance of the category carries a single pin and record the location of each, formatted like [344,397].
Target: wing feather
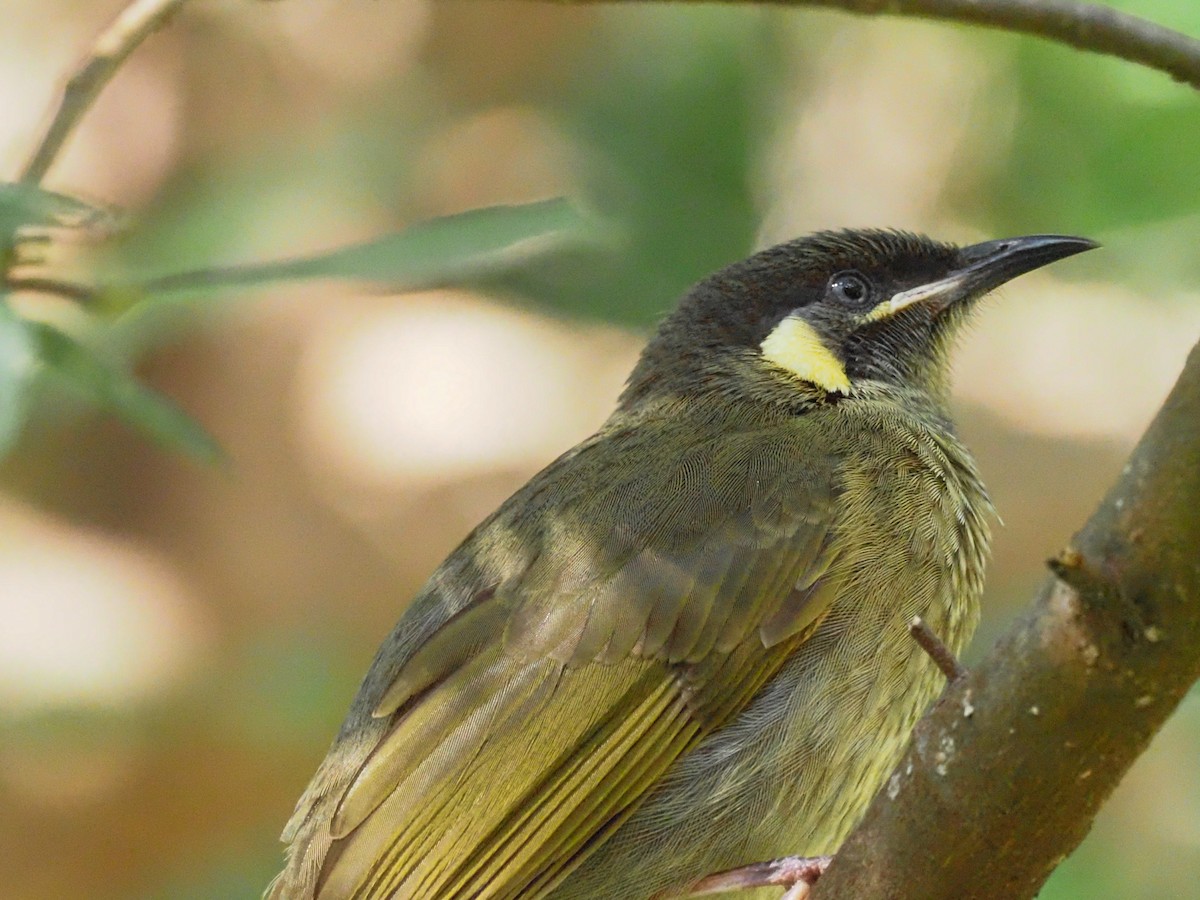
[528,724]
[450,726]
[448,649]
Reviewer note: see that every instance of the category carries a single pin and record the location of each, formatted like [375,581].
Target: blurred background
[180,641]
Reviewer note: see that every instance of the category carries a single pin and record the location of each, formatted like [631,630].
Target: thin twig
[80,293]
[1085,26]
[134,24]
[938,651]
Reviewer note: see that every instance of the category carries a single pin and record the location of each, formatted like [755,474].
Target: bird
[683,646]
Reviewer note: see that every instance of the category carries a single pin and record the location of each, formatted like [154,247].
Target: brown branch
[1085,26]
[134,24]
[1005,774]
[80,293]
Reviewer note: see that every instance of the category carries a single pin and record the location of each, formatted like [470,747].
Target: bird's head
[829,312]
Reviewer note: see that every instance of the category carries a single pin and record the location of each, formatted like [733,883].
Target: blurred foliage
[18,362]
[459,249]
[663,118]
[674,167]
[450,250]
[23,344]
[1099,146]
[24,206]
[66,361]
[443,251]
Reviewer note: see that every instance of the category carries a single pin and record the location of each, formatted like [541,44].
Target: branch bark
[1085,26]
[1005,774]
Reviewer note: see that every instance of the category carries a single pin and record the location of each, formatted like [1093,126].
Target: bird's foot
[795,873]
[942,655]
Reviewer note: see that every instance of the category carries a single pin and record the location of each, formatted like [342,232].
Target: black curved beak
[992,263]
[985,266]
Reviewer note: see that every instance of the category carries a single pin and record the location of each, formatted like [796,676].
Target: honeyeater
[683,646]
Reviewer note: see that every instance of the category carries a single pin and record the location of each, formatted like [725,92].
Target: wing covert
[658,610]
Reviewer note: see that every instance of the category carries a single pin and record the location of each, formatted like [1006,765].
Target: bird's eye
[849,288]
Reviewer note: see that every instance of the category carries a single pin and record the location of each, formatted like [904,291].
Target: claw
[796,873]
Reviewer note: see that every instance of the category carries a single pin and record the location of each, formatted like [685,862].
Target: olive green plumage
[683,646]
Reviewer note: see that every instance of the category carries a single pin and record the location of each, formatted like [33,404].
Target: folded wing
[530,722]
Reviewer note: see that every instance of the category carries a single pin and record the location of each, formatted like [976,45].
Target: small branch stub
[937,650]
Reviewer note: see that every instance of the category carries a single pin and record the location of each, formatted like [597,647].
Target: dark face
[834,310]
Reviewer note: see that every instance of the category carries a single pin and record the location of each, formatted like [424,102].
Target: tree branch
[1085,26]
[1005,774]
[70,290]
[134,24]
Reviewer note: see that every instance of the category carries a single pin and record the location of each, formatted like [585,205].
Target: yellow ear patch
[795,346]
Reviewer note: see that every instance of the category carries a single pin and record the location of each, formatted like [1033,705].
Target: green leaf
[112,389]
[18,364]
[22,205]
[438,252]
